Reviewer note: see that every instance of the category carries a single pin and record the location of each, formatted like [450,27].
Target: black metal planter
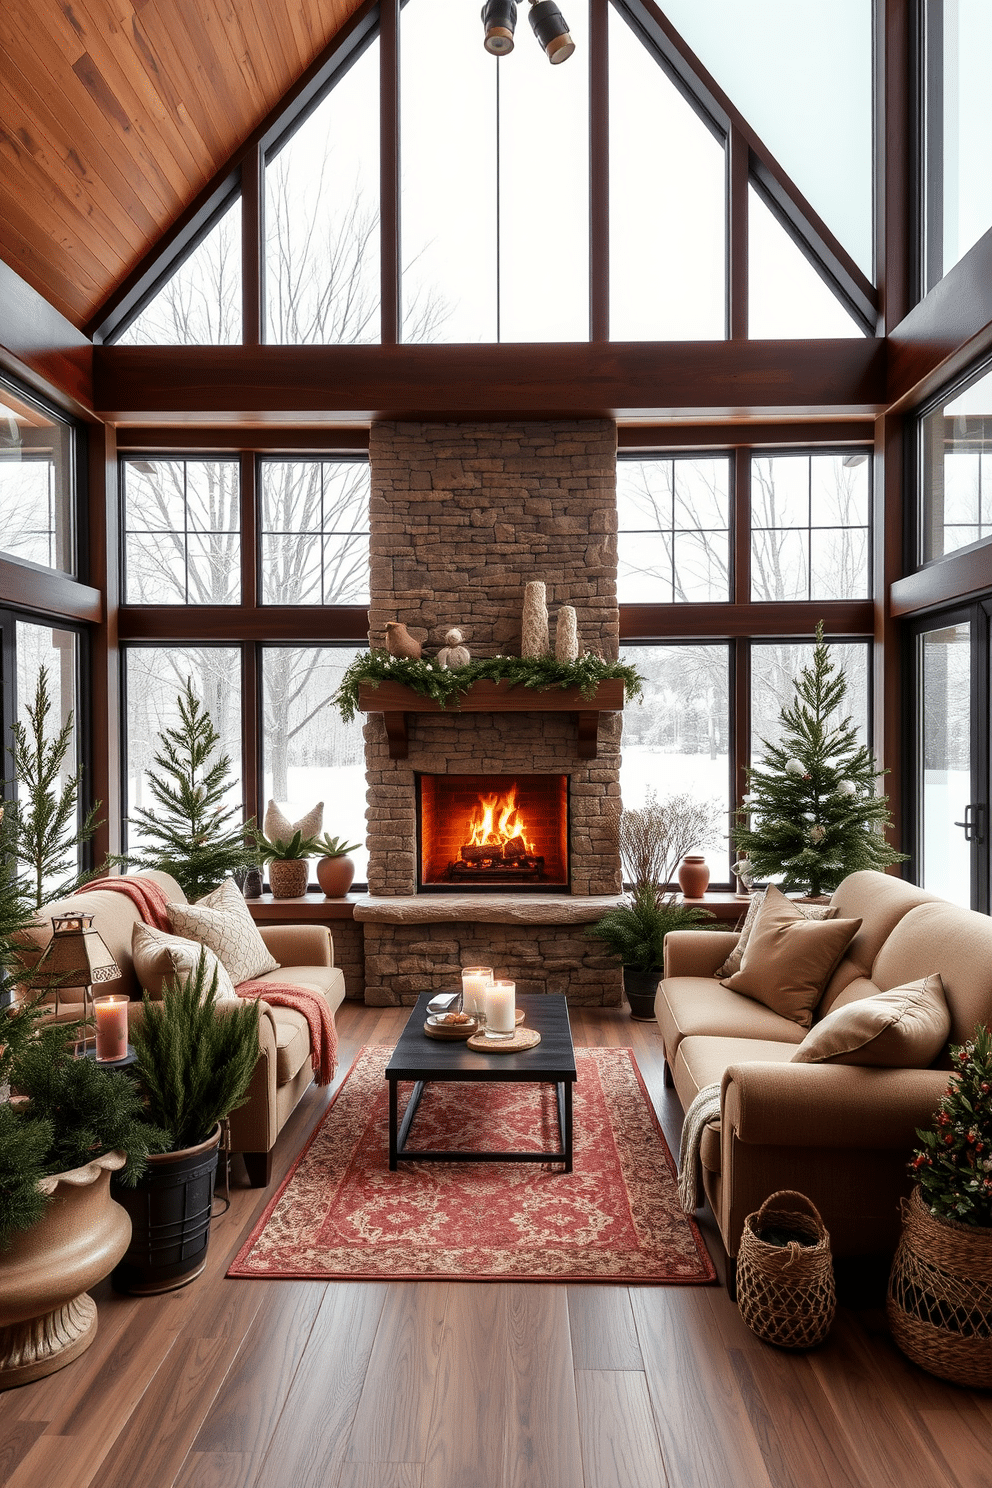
[170,1219]
[640,988]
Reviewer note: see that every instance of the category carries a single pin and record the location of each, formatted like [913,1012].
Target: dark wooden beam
[888,723]
[275,440]
[758,621]
[895,129]
[252,270]
[714,436]
[599,171]
[104,682]
[345,623]
[24,586]
[621,379]
[945,332]
[389,171]
[738,170]
[41,347]
[958,577]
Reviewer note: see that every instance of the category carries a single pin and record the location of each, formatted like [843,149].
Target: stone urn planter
[46,1317]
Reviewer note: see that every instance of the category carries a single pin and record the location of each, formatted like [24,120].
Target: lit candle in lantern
[111,1028]
[500,1003]
[475,980]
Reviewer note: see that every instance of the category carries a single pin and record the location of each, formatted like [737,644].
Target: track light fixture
[499,17]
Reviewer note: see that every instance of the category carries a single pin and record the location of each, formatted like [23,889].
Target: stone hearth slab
[493,909]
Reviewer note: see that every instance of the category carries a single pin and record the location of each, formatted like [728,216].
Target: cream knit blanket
[704,1109]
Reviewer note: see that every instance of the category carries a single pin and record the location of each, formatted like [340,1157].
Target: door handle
[974,822]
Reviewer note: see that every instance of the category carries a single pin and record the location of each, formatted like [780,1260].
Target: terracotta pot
[46,1317]
[170,1219]
[335,875]
[694,875]
[640,988]
[288,877]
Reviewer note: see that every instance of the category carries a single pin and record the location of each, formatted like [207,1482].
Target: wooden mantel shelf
[394,702]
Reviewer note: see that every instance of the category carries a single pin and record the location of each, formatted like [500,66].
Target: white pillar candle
[500,1010]
[475,980]
[111,1027]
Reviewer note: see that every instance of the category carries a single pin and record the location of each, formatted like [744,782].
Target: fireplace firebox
[492,832]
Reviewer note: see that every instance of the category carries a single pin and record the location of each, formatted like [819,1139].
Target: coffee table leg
[564,1091]
[393,1108]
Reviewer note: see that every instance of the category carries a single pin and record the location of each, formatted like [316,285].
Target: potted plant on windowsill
[335,869]
[195,1059]
[940,1290]
[288,860]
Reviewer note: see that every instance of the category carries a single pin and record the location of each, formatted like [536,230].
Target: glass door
[952,763]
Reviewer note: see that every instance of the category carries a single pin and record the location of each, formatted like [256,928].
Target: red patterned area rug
[342,1214]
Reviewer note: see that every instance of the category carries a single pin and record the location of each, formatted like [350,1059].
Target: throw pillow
[222,921]
[808,912]
[278,827]
[789,958]
[160,958]
[905,1028]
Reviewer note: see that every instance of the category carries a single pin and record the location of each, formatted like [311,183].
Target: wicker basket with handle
[786,1290]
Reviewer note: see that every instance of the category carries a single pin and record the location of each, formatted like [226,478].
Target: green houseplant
[635,933]
[940,1289]
[287,858]
[195,1060]
[335,869]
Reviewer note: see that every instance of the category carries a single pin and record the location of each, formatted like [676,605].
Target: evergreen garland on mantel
[444,686]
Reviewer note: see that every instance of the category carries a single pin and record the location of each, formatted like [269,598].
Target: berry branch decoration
[447,687]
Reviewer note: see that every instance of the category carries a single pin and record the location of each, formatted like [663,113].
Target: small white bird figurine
[399,641]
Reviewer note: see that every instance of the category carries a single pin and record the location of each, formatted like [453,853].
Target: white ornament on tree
[847,788]
[794,768]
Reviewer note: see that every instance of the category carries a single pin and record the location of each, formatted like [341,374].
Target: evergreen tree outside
[45,829]
[192,835]
[812,814]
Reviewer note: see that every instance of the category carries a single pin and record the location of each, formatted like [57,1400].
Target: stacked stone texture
[463,516]
[349,955]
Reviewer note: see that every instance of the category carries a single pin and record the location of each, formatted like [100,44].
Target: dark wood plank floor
[294,1384]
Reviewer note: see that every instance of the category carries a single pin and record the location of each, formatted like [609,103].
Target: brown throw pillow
[808,912]
[905,1028]
[789,958]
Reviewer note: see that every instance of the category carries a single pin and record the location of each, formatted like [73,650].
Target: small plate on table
[437,1028]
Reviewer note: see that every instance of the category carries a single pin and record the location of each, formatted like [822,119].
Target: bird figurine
[454,654]
[399,641]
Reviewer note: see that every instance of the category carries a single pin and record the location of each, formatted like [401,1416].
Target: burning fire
[496,822]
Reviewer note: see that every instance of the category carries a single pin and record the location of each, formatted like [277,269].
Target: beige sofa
[283,1072]
[840,1133]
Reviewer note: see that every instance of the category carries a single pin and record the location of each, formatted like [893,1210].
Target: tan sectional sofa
[840,1133]
[283,1072]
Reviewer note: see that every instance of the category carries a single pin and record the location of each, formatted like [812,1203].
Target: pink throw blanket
[150,902]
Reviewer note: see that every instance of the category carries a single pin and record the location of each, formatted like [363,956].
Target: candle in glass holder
[111,1028]
[475,980]
[500,1000]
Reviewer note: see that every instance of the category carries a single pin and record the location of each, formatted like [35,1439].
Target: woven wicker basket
[940,1295]
[786,1292]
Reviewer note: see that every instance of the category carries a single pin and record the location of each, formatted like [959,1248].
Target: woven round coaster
[524,1038]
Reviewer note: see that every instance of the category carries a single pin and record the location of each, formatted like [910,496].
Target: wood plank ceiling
[115,114]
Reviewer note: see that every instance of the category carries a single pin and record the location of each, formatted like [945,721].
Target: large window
[200,303]
[809,527]
[674,530]
[956,471]
[774,668]
[182,532]
[958,182]
[309,754]
[37,495]
[154,678]
[314,531]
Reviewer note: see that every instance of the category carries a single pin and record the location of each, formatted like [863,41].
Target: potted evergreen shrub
[940,1290]
[335,869]
[195,1061]
[288,860]
[635,933]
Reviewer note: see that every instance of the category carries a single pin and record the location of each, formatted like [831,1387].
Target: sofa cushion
[904,1028]
[808,912]
[957,943]
[789,958]
[881,901]
[160,958]
[222,921]
[698,1005]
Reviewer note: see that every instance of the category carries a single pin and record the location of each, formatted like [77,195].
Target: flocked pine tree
[812,813]
[191,834]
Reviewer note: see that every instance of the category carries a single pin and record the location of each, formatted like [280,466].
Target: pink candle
[111,1027]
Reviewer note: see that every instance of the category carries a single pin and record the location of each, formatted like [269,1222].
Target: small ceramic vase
[694,876]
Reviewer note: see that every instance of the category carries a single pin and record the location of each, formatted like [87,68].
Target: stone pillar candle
[111,1028]
[534,637]
[501,1015]
[475,980]
[566,635]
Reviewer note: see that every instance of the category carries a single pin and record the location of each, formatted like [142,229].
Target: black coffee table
[421,1059]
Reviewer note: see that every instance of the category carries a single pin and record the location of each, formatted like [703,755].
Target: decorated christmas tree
[191,835]
[812,813]
[954,1164]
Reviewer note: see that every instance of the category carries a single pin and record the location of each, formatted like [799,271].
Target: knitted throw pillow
[222,921]
[160,958]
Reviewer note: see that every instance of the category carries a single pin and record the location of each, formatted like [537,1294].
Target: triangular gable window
[787,298]
[199,304]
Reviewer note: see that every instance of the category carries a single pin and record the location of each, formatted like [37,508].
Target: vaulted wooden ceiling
[117,113]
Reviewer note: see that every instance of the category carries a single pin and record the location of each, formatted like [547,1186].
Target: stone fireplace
[462,517]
